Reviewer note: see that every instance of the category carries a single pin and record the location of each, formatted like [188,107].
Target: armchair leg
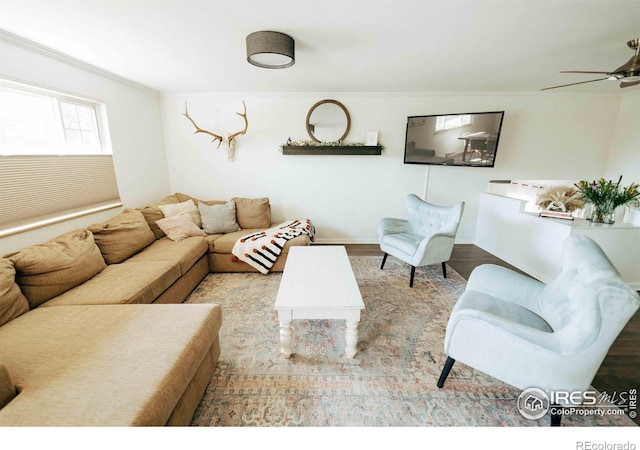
[556,418]
[444,270]
[384,260]
[445,371]
[413,274]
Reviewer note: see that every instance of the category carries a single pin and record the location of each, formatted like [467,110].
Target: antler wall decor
[230,141]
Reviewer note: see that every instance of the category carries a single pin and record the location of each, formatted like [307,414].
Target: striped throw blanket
[261,250]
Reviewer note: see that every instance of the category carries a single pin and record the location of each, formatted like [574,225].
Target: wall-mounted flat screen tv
[467,139]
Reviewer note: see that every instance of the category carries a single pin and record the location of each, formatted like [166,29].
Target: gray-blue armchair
[553,337]
[425,237]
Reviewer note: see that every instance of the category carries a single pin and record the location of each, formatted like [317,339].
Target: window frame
[98,108]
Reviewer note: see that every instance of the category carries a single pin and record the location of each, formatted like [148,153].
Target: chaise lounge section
[108,365]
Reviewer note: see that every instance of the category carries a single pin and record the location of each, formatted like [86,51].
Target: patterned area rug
[390,382]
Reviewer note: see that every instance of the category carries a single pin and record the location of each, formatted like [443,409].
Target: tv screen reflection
[469,139]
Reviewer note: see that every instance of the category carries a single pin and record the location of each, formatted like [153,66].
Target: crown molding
[26,44]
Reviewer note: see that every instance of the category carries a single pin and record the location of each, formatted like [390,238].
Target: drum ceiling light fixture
[270,50]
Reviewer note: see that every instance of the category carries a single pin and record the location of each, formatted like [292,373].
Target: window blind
[40,190]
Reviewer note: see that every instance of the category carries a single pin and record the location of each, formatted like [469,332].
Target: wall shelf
[331,150]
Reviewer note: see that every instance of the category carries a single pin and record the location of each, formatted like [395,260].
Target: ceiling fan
[628,74]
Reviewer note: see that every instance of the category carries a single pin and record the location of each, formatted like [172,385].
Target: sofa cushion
[7,389]
[152,214]
[175,209]
[140,282]
[184,197]
[211,241]
[218,219]
[225,243]
[186,252]
[122,236]
[253,212]
[115,365]
[44,271]
[12,302]
[179,227]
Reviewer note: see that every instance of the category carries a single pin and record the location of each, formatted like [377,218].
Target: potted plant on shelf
[607,196]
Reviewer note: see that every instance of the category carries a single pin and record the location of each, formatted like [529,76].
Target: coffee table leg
[351,338]
[285,339]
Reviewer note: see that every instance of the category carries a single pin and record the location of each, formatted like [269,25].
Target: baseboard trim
[329,241]
[344,241]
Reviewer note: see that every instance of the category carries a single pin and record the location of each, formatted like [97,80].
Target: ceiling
[341,46]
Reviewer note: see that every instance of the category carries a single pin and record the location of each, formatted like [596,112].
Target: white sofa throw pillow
[179,227]
[173,209]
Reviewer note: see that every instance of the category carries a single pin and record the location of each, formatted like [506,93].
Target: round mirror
[328,121]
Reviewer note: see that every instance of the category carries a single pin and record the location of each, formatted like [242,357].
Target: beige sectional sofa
[80,342]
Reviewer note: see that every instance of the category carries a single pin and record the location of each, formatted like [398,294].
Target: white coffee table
[318,283]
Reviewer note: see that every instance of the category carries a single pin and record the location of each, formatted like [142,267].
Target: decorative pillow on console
[218,218]
[182,207]
[12,302]
[253,212]
[7,389]
[122,236]
[180,227]
[44,271]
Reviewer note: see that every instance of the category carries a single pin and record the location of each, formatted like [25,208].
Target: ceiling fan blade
[573,84]
[625,84]
[583,71]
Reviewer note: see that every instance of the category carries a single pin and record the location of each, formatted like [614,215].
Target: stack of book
[556,214]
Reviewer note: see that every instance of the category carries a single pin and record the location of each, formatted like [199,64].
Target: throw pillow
[152,214]
[184,197]
[179,208]
[44,271]
[7,389]
[12,302]
[179,227]
[122,236]
[253,212]
[218,218]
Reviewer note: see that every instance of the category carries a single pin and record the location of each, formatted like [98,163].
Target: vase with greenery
[607,196]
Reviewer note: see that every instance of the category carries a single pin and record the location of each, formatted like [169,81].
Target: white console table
[534,244]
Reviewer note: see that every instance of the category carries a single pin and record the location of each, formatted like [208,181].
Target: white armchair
[553,337]
[425,237]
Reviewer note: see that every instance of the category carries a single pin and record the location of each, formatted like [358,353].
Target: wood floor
[620,370]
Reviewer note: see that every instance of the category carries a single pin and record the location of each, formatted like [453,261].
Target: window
[55,158]
[444,123]
[35,121]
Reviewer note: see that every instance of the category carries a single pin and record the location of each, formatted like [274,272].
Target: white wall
[544,136]
[134,121]
[624,158]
